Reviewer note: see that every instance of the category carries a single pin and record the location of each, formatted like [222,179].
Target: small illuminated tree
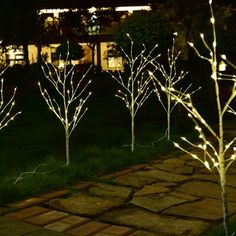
[69,106]
[6,107]
[171,77]
[135,90]
[217,152]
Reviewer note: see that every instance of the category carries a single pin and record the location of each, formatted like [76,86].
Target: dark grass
[219,230]
[98,145]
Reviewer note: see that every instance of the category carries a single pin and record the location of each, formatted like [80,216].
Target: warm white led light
[133,8]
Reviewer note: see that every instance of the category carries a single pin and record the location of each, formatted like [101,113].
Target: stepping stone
[185,196]
[89,228]
[194,163]
[28,212]
[151,189]
[46,218]
[206,209]
[162,175]
[84,204]
[156,203]
[145,233]
[115,230]
[182,170]
[13,227]
[111,191]
[174,162]
[67,223]
[134,180]
[205,189]
[139,218]
[208,176]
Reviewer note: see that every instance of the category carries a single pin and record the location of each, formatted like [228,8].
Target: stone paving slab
[46,218]
[173,196]
[152,189]
[115,230]
[84,204]
[134,180]
[89,228]
[27,202]
[146,220]
[110,191]
[145,233]
[207,177]
[162,175]
[205,189]
[156,203]
[28,212]
[173,161]
[13,227]
[67,223]
[182,170]
[206,209]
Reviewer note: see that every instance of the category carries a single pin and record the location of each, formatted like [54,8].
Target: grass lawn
[219,231]
[36,139]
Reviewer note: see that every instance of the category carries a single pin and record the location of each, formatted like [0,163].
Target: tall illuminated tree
[135,89]
[217,152]
[69,106]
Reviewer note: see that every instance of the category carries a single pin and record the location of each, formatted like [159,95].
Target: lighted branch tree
[171,76]
[69,106]
[135,90]
[6,107]
[216,152]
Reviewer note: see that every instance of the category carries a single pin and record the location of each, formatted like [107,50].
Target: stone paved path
[175,195]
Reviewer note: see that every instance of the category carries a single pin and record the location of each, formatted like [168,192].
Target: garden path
[175,195]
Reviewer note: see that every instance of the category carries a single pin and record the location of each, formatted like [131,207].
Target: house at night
[89,23]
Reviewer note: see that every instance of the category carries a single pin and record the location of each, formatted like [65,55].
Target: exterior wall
[48,53]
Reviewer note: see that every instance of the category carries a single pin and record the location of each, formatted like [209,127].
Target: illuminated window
[114,62]
[15,55]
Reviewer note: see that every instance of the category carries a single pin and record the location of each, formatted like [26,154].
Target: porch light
[93,25]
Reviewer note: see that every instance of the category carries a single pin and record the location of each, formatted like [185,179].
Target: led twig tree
[135,90]
[69,106]
[215,153]
[6,107]
[171,77]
